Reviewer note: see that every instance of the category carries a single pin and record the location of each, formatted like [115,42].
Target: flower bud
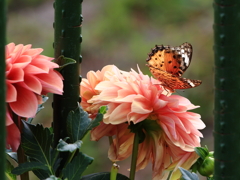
[207,167]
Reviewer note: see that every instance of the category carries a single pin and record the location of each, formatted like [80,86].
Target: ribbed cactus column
[227,89]
[67,41]
[2,88]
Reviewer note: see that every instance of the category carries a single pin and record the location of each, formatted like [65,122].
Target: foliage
[44,158]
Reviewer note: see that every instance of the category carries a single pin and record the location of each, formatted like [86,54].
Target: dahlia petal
[13,137]
[119,114]
[104,85]
[26,47]
[108,94]
[195,120]
[9,120]
[102,130]
[186,162]
[15,75]
[26,104]
[31,52]
[22,61]
[184,102]
[11,93]
[41,60]
[30,69]
[141,105]
[9,49]
[16,53]
[51,82]
[92,78]
[136,118]
[31,83]
[134,97]
[121,146]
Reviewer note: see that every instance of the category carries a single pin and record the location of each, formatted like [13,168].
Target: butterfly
[167,64]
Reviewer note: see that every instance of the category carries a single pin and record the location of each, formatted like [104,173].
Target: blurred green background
[122,33]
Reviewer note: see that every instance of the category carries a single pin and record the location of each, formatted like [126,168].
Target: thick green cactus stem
[227,88]
[2,88]
[67,39]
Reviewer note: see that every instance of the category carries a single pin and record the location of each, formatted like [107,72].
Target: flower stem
[114,171]
[22,159]
[134,156]
[20,153]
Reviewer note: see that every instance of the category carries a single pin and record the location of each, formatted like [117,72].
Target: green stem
[22,159]
[134,156]
[2,88]
[227,85]
[67,39]
[114,171]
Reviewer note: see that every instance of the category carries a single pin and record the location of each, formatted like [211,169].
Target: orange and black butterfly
[167,64]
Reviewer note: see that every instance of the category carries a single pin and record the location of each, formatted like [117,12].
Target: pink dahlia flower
[28,76]
[171,132]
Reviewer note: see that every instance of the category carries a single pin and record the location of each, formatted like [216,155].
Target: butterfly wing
[168,63]
[172,82]
[174,60]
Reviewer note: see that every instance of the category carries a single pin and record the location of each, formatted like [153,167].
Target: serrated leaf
[103,176]
[202,152]
[186,175]
[94,123]
[63,146]
[29,166]
[63,61]
[78,123]
[41,174]
[36,142]
[8,169]
[74,170]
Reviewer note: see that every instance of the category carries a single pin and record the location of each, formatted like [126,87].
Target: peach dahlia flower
[28,76]
[171,132]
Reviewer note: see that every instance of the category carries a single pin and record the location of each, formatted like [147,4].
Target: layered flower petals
[26,103]
[171,132]
[28,76]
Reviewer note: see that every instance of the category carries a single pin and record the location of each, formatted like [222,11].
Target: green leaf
[55,160]
[41,174]
[202,151]
[29,166]
[36,142]
[103,110]
[78,123]
[63,146]
[63,61]
[186,175]
[103,176]
[8,169]
[74,170]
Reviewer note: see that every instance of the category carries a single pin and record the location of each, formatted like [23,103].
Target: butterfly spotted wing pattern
[168,63]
